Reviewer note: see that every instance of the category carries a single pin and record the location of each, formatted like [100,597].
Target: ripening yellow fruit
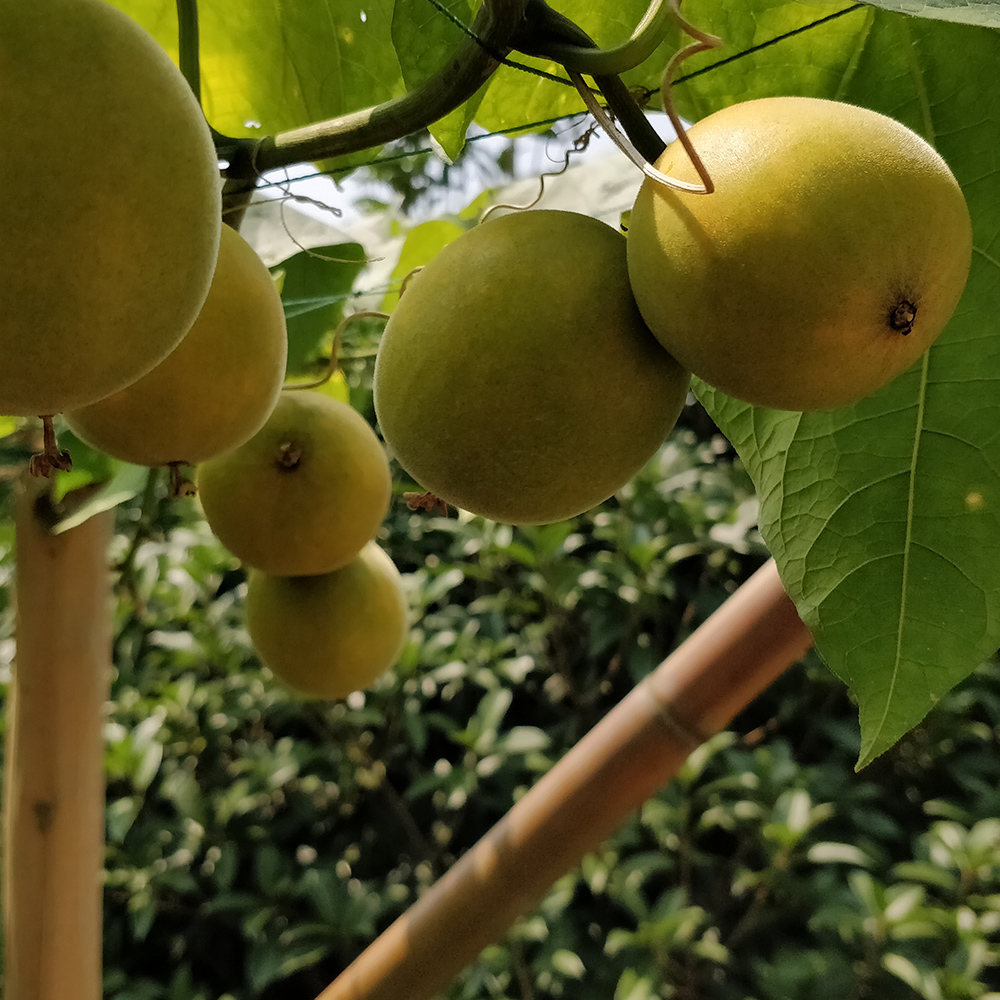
[516,378]
[217,387]
[111,208]
[329,635]
[305,494]
[830,256]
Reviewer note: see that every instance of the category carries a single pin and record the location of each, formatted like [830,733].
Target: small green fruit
[830,256]
[217,387]
[329,635]
[112,204]
[516,378]
[304,494]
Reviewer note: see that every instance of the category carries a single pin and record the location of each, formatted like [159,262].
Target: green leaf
[424,39]
[770,49]
[884,517]
[336,387]
[128,481]
[516,97]
[121,814]
[523,739]
[827,852]
[285,64]
[983,12]
[568,963]
[316,285]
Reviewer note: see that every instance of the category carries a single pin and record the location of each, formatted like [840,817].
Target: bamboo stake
[626,758]
[53,810]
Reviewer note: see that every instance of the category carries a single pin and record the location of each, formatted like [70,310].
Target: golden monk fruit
[830,256]
[305,494]
[111,208]
[217,387]
[516,378]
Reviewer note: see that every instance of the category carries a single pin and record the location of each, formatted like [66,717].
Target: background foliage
[256,843]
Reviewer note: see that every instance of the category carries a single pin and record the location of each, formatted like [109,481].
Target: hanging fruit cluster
[525,373]
[160,335]
[528,372]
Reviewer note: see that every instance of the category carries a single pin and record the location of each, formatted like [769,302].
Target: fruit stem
[543,26]
[638,157]
[50,458]
[702,41]
[628,756]
[426,501]
[180,485]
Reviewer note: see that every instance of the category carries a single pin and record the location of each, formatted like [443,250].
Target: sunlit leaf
[424,38]
[271,67]
[884,516]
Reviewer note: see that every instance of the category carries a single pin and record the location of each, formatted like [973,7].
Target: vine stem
[469,67]
[640,157]
[589,59]
[626,758]
[53,808]
[187,45]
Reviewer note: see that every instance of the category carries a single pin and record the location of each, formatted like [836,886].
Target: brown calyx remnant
[288,455]
[902,316]
[180,485]
[426,501]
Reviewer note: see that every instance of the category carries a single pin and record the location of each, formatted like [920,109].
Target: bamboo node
[45,814]
[685,731]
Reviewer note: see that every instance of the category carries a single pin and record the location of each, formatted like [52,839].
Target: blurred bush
[257,843]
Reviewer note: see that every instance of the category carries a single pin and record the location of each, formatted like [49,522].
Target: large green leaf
[424,38]
[275,66]
[762,54]
[769,49]
[984,12]
[883,516]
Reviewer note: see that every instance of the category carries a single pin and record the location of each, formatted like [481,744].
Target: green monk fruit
[216,388]
[328,635]
[111,209]
[516,378]
[305,494]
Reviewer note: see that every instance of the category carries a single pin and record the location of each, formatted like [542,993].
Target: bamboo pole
[53,810]
[626,758]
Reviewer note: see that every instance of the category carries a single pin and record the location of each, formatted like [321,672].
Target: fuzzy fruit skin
[781,288]
[305,494]
[112,210]
[516,379]
[326,636]
[216,388]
